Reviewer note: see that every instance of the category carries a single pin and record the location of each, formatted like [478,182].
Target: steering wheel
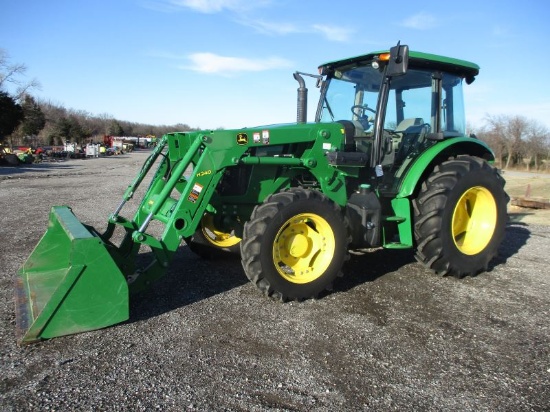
[359,111]
[363,107]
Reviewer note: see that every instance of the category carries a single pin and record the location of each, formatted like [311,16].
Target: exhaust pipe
[301,116]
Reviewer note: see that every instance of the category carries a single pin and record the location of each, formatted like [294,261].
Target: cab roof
[418,60]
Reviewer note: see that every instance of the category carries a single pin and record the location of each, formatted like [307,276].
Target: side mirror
[399,60]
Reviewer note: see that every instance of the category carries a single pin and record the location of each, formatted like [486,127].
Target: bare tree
[11,74]
[81,126]
[494,140]
[54,113]
[510,131]
[536,144]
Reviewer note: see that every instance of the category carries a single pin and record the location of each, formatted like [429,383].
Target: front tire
[209,242]
[460,217]
[295,244]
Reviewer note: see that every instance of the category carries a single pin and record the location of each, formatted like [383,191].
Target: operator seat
[408,131]
[406,123]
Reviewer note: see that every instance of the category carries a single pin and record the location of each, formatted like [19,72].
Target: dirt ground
[390,336]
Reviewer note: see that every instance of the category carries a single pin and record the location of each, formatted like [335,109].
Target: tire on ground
[295,244]
[460,217]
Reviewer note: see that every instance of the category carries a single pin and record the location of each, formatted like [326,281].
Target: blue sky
[229,63]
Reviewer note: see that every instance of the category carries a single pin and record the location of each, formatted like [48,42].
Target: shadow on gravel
[515,238]
[190,279]
[371,266]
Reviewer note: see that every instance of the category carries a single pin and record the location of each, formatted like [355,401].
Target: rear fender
[414,174]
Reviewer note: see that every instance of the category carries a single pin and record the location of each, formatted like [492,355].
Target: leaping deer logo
[242,138]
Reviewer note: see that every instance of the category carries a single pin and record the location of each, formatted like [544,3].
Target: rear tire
[460,217]
[295,244]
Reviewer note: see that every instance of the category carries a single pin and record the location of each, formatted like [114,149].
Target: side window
[452,114]
[418,104]
[410,101]
[390,122]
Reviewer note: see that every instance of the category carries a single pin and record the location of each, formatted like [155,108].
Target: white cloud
[227,65]
[420,21]
[271,28]
[240,13]
[503,34]
[332,32]
[215,6]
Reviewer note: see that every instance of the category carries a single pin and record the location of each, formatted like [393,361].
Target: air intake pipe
[301,116]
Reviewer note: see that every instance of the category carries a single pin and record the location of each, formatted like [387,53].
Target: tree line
[518,142]
[27,121]
[48,124]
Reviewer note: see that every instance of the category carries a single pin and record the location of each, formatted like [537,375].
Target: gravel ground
[391,336]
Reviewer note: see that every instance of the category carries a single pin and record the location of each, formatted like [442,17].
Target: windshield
[352,95]
[420,97]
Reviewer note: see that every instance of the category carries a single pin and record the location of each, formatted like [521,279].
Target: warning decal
[195,193]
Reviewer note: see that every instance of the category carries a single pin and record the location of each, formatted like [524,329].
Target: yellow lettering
[204,173]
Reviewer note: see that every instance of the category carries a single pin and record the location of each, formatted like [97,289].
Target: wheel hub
[217,237]
[474,220]
[298,245]
[303,248]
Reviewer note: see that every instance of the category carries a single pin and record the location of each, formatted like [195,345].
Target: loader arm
[177,196]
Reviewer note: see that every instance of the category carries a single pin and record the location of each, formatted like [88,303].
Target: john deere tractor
[386,164]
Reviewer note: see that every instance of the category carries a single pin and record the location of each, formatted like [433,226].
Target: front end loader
[386,163]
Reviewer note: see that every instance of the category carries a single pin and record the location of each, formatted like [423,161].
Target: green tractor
[385,164]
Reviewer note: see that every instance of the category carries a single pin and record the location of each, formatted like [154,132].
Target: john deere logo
[242,138]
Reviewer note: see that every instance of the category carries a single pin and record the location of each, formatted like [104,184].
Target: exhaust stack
[301,116]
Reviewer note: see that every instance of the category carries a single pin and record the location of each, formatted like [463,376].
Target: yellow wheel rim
[216,237]
[303,248]
[474,220]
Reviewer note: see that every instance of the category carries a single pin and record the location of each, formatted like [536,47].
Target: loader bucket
[69,284]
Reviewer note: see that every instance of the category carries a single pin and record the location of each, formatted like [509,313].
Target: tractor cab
[395,104]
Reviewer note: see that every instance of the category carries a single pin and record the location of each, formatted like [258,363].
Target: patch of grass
[518,185]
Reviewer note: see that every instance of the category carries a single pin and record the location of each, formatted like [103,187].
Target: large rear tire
[460,217]
[295,244]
